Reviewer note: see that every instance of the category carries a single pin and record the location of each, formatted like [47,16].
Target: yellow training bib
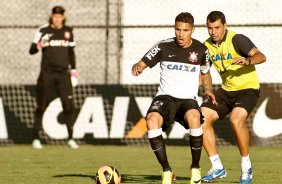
[234,77]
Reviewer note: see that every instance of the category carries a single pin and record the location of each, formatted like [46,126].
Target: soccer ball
[108,175]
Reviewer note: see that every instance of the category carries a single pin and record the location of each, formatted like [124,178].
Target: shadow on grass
[127,178]
[75,175]
[130,178]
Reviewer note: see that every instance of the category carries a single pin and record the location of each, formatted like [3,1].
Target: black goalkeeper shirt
[58,48]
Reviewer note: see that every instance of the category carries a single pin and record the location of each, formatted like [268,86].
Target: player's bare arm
[255,57]
[138,68]
[206,81]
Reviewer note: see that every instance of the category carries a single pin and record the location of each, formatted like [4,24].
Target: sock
[70,132]
[196,143]
[35,134]
[246,163]
[37,126]
[216,162]
[158,146]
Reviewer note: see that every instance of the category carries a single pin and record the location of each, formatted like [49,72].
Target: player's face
[216,30]
[57,20]
[183,33]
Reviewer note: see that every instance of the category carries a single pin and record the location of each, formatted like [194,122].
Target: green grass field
[61,165]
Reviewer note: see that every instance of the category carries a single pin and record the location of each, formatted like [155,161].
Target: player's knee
[153,120]
[192,117]
[208,123]
[209,116]
[151,123]
[194,122]
[237,123]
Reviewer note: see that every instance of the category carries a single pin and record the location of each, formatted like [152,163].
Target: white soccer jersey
[180,67]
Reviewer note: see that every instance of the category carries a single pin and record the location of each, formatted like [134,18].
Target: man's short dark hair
[216,15]
[185,17]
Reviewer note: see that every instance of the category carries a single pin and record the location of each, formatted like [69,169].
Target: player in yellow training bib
[234,56]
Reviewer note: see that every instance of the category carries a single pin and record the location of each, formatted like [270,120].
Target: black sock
[196,143]
[70,132]
[35,134]
[37,126]
[158,146]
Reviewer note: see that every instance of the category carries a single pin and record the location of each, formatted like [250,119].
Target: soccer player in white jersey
[182,60]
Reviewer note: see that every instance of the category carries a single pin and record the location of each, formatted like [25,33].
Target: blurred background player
[58,71]
[233,56]
[182,59]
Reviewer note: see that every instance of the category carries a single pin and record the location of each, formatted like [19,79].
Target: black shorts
[173,109]
[227,100]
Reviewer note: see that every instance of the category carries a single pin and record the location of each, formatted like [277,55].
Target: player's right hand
[42,44]
[211,97]
[136,69]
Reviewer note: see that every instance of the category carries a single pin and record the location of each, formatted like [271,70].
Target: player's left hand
[240,61]
[211,97]
[74,80]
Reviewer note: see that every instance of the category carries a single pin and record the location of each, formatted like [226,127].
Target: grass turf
[62,165]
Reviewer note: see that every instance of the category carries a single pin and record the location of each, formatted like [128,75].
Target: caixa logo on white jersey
[153,52]
[181,67]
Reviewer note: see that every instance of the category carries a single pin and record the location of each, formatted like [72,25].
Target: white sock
[246,163]
[154,133]
[215,161]
[196,131]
